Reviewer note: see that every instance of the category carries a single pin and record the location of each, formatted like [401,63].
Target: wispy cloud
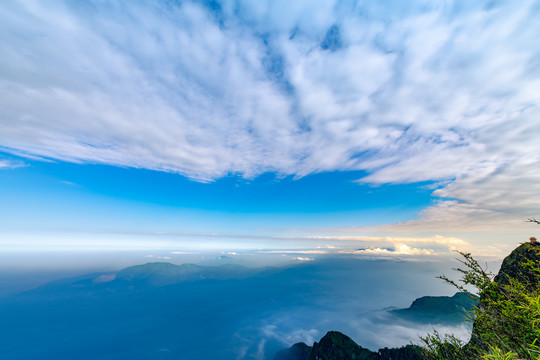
[401,249]
[436,239]
[446,242]
[300,258]
[291,337]
[8,164]
[296,251]
[458,217]
[415,92]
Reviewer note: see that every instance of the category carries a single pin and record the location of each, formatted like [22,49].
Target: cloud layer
[438,91]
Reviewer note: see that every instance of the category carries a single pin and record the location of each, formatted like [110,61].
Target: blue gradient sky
[58,198]
[49,188]
[373,128]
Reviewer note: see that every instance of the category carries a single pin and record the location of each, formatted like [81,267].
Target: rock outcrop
[512,266]
[335,345]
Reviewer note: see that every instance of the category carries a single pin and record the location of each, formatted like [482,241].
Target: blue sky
[57,197]
[383,125]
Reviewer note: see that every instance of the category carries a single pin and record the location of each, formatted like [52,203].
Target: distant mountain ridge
[164,273]
[155,274]
[444,310]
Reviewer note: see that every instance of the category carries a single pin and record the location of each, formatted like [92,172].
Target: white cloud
[415,93]
[292,336]
[8,164]
[401,249]
[299,258]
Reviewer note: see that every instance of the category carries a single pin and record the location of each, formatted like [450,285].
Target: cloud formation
[299,258]
[440,91]
[8,164]
[401,249]
[385,246]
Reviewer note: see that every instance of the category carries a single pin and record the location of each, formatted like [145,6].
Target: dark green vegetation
[439,309]
[299,351]
[507,324]
[337,346]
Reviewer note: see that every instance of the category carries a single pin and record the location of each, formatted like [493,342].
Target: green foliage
[507,318]
[443,347]
[497,354]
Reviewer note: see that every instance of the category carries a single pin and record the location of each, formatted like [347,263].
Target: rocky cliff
[512,266]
